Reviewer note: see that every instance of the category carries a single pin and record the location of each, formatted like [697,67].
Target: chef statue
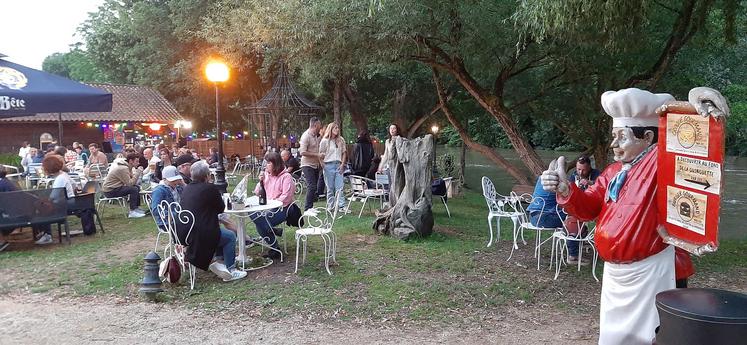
[638,264]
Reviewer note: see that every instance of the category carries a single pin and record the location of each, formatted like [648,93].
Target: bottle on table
[262,193]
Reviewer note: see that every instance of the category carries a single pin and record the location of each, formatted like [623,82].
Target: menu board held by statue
[690,183]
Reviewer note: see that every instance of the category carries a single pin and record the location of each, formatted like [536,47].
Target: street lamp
[434,130]
[217,72]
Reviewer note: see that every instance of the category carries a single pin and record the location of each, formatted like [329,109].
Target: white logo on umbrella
[12,79]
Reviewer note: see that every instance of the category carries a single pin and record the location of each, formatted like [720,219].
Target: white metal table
[252,211]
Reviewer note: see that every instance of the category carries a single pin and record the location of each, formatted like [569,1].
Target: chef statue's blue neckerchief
[616,183]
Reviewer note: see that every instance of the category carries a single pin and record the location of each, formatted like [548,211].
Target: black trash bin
[701,316]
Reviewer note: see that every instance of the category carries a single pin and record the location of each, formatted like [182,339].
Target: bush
[10,159]
[446,164]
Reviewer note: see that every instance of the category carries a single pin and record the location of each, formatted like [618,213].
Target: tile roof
[131,103]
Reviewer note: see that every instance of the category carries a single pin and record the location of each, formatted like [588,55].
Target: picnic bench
[28,208]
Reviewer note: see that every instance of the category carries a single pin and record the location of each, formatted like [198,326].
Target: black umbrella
[26,91]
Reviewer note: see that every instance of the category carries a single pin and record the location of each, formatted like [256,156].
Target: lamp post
[434,130]
[217,72]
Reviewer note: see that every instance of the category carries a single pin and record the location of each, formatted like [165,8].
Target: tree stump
[409,211]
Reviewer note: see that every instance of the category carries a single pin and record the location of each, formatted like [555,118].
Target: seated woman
[53,167]
[278,186]
[208,241]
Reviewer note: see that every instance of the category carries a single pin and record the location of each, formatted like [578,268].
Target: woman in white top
[334,153]
[52,165]
[389,147]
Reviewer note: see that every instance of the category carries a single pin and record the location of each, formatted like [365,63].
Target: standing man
[24,150]
[638,264]
[120,182]
[310,158]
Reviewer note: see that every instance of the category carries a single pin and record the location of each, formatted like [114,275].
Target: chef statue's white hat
[634,107]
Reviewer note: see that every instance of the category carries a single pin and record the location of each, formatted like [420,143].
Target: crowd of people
[178,174]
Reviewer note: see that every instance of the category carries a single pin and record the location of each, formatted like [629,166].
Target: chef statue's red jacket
[626,230]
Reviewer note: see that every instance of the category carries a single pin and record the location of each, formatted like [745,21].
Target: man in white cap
[638,264]
[169,189]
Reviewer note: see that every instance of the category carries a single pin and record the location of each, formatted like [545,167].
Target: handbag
[170,270]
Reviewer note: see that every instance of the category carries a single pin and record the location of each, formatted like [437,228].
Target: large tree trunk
[486,151]
[336,103]
[360,121]
[493,105]
[398,107]
[410,212]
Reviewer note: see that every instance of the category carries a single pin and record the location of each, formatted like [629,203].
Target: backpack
[86,220]
[170,270]
[293,218]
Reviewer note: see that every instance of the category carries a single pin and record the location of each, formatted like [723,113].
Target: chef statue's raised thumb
[554,178]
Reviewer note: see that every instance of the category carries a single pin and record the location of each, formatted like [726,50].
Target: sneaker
[344,210]
[573,260]
[45,239]
[135,214]
[4,245]
[278,231]
[139,211]
[235,275]
[220,270]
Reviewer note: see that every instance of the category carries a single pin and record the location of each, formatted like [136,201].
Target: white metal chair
[299,183]
[14,174]
[176,217]
[500,206]
[118,200]
[162,230]
[383,180]
[33,174]
[525,223]
[361,192]
[560,247]
[236,172]
[319,222]
[447,181]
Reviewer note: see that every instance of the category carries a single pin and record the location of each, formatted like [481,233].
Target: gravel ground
[39,319]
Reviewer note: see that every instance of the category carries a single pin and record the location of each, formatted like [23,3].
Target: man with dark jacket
[363,153]
[207,240]
[183,163]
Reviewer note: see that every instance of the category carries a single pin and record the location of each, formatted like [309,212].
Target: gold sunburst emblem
[12,79]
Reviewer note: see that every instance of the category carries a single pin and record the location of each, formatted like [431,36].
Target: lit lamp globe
[434,129]
[216,71]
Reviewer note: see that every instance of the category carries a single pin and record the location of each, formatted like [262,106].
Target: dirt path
[37,319]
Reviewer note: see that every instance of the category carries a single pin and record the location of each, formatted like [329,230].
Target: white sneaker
[45,239]
[139,211]
[235,275]
[135,214]
[220,270]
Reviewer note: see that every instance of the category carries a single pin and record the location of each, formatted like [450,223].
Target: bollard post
[151,283]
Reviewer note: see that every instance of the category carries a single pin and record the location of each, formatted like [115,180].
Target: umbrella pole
[59,129]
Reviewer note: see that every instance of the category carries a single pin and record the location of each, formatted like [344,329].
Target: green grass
[424,279]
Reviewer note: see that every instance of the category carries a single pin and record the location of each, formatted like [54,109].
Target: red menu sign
[690,174]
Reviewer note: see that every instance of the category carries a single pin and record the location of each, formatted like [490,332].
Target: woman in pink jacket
[278,186]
